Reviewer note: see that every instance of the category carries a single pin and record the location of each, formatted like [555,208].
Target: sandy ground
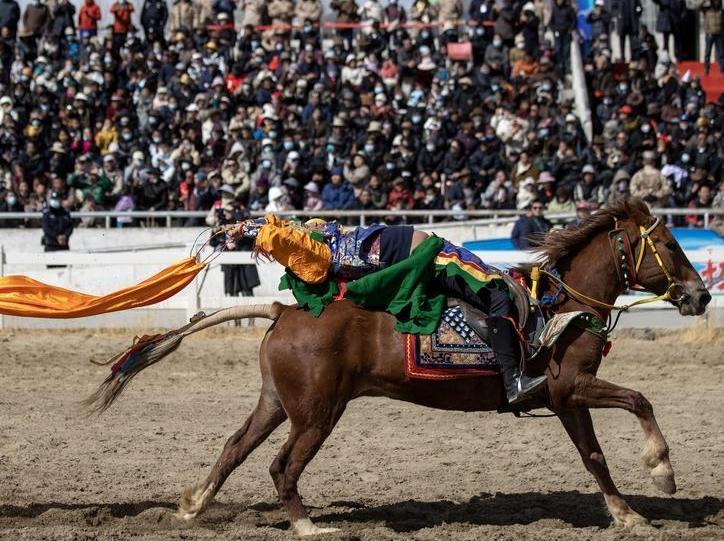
[389,471]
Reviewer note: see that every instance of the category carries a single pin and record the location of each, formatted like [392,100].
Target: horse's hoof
[665,483]
[184,516]
[193,501]
[306,528]
[630,520]
[663,478]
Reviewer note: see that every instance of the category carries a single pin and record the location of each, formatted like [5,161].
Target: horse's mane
[560,243]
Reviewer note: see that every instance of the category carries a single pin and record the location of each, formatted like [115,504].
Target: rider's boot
[504,341]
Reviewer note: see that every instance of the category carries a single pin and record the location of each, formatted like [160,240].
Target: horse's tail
[148,350]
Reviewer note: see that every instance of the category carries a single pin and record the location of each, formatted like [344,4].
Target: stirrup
[531,387]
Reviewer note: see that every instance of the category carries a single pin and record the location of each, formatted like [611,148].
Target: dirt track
[389,471]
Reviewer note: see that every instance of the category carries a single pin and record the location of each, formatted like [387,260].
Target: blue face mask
[369,148]
[288,145]
[330,148]
[54,203]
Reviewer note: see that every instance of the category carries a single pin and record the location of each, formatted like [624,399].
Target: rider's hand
[235,231]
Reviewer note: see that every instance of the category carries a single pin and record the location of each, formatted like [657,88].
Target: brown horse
[312,367]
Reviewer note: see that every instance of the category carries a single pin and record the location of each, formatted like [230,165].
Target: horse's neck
[591,271]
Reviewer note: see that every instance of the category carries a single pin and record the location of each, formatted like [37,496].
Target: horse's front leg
[579,426]
[592,392]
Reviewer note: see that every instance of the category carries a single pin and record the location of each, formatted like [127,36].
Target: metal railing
[438,217]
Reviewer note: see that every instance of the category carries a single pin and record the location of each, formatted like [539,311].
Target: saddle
[529,321]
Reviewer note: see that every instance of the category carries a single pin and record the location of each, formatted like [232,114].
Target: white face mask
[11,200]
[54,203]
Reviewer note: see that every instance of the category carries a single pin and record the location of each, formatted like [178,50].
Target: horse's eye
[672,245]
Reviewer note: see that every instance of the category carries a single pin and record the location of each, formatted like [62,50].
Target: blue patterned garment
[353,255]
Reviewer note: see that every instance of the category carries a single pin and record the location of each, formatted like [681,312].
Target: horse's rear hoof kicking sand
[312,367]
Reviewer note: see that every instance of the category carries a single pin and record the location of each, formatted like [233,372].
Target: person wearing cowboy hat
[61,162]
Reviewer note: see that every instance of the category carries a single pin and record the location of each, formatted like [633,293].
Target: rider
[351,254]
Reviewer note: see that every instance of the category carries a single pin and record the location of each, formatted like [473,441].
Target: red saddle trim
[415,372]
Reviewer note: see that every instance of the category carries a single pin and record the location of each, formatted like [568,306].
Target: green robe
[401,289]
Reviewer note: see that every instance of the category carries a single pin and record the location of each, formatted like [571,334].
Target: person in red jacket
[122,11]
[400,197]
[88,18]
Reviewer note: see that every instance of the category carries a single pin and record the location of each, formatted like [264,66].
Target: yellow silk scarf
[23,296]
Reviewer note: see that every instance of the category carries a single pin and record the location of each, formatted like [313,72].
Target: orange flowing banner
[25,297]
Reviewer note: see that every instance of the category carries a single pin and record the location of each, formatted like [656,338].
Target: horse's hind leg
[305,439]
[267,416]
[579,426]
[592,392]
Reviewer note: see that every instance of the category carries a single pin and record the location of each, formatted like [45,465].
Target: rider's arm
[247,228]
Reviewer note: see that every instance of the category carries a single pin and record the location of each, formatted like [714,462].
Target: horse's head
[661,264]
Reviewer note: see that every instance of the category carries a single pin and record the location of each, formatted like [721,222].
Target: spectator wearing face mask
[9,203]
[496,55]
[430,158]
[57,225]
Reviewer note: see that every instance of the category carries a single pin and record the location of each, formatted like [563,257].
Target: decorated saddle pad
[454,350]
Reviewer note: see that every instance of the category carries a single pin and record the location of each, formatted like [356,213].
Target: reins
[620,243]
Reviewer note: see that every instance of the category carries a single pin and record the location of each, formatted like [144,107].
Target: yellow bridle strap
[534,279]
[645,235]
[595,302]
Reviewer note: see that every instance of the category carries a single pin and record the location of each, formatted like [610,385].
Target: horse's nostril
[705,298]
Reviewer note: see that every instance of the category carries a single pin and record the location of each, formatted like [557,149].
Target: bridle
[626,269]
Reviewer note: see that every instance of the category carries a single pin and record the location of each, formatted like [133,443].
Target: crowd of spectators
[203,109]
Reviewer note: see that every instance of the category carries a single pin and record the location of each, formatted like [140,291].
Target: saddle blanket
[455,350]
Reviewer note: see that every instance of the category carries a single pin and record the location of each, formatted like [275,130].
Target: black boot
[503,340]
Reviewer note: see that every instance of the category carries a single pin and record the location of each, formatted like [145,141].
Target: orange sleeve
[294,248]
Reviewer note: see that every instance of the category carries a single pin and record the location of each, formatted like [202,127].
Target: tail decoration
[149,349]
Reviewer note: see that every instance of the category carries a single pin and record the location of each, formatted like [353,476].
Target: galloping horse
[312,367]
